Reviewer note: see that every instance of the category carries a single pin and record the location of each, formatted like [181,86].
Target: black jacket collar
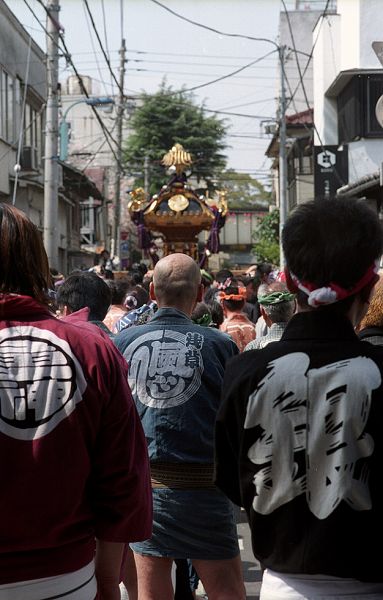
[319,325]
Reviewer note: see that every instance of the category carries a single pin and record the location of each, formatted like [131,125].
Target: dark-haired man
[85,297]
[298,438]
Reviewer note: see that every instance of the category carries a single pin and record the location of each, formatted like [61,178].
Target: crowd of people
[138,411]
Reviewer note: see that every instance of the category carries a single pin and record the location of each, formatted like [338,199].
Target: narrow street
[251,567]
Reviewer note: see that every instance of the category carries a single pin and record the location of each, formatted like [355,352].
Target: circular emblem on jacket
[165,367]
[41,382]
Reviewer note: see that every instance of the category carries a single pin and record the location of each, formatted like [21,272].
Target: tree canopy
[266,247]
[165,118]
[243,190]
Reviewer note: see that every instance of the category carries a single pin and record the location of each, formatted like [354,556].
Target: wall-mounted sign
[330,170]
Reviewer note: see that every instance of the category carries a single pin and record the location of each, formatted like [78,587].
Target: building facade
[348,80]
[89,151]
[296,37]
[23,93]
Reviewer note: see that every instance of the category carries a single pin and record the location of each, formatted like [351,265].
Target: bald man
[175,372]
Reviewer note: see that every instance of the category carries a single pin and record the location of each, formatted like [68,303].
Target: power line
[222,112]
[160,62]
[310,55]
[82,86]
[198,74]
[249,103]
[91,41]
[156,53]
[41,25]
[69,59]
[236,35]
[296,56]
[197,87]
[101,45]
[106,39]
[302,83]
[183,63]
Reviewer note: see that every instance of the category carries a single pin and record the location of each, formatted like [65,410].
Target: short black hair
[222,275]
[136,297]
[333,240]
[216,311]
[85,289]
[200,310]
[118,288]
[136,277]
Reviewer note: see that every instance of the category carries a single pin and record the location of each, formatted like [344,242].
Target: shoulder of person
[219,336]
[251,364]
[253,345]
[124,337]
[90,345]
[370,332]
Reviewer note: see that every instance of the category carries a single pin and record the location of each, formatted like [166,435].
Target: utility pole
[51,137]
[117,185]
[282,155]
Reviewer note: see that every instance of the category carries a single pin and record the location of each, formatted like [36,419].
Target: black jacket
[299,444]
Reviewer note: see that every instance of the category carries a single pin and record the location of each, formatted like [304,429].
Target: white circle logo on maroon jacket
[41,382]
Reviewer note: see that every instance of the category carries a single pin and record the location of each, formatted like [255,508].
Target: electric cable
[93,48]
[102,47]
[202,85]
[212,29]
[302,83]
[68,58]
[83,89]
[106,40]
[311,53]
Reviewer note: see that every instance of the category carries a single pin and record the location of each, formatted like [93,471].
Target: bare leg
[129,575]
[222,579]
[154,577]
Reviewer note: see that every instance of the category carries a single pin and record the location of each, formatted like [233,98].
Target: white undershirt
[79,585]
[283,586]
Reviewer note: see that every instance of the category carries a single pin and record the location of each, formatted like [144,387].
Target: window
[7,107]
[32,130]
[356,108]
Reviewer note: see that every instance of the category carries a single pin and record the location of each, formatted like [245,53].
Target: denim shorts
[191,524]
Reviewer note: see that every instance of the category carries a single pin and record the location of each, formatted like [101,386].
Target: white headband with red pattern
[320,296]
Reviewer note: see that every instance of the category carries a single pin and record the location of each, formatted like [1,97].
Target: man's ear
[266,317]
[151,291]
[291,286]
[199,293]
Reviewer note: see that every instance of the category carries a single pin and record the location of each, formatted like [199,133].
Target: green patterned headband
[205,320]
[276,298]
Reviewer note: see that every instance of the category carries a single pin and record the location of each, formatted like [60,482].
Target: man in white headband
[298,437]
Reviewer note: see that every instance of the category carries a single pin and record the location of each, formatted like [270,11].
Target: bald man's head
[177,281]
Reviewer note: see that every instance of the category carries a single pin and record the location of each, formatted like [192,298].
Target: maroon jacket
[73,457]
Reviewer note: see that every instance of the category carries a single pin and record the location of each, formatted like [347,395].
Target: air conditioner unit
[29,159]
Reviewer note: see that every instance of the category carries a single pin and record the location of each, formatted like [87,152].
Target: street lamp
[64,125]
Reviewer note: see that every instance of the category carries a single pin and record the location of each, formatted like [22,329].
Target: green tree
[243,190]
[165,118]
[266,246]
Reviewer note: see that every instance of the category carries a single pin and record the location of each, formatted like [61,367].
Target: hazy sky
[161,45]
